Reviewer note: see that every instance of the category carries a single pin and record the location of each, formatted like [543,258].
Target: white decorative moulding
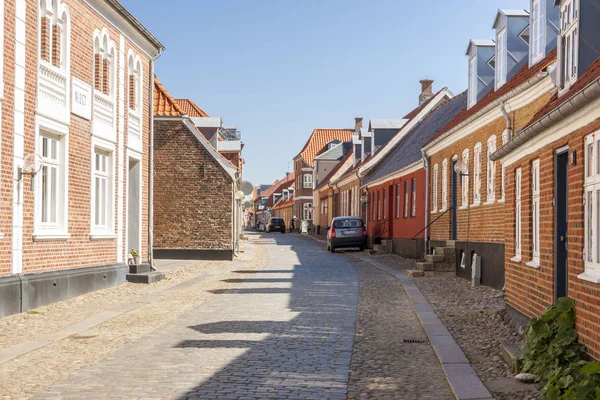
[104,117]
[53,93]
[81,99]
[134,130]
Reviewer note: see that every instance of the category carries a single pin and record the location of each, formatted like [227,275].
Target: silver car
[346,232]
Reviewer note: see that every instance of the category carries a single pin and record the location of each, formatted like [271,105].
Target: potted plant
[135,257]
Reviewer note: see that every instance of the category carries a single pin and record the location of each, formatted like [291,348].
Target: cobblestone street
[306,324]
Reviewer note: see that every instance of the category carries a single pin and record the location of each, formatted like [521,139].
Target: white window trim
[109,231]
[591,252]
[568,30]
[472,92]
[435,189]
[60,231]
[477,174]
[444,185]
[307,181]
[491,171]
[502,184]
[537,32]
[305,212]
[518,216]
[535,204]
[501,59]
[464,181]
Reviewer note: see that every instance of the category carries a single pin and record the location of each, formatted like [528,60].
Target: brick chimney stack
[426,90]
[357,124]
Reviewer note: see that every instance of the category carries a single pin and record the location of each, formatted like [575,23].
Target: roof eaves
[135,22]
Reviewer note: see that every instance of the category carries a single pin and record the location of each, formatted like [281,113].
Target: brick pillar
[56,42]
[45,38]
[98,72]
[132,88]
[106,76]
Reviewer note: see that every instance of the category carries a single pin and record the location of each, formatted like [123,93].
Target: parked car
[346,232]
[276,225]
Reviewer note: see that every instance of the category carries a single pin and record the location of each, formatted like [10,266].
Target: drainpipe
[509,128]
[151,168]
[426,165]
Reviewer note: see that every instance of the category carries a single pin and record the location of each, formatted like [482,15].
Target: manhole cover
[414,341]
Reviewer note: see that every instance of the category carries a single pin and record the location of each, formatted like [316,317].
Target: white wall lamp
[32,164]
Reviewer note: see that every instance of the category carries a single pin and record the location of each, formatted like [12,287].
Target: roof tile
[319,139]
[191,108]
[164,104]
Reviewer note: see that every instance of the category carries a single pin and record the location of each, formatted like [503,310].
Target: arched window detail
[134,67]
[104,63]
[54,33]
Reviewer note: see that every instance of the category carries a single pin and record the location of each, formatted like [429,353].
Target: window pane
[590,159]
[590,224]
[597,227]
[53,194]
[44,205]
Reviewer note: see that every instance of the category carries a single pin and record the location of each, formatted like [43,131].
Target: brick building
[264,202]
[552,197]
[196,212]
[76,84]
[468,208]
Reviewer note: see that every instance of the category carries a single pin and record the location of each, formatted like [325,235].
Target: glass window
[101,190]
[535,229]
[465,180]
[435,188]
[405,199]
[51,171]
[413,207]
[518,217]
[477,174]
[501,58]
[491,170]
[472,81]
[397,200]
[444,185]
[384,203]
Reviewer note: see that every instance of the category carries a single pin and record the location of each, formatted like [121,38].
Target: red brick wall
[392,227]
[192,195]
[531,290]
[79,250]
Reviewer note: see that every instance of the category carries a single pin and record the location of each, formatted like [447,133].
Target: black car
[276,225]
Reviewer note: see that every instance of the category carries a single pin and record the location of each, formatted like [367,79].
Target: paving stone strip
[74,347]
[284,332]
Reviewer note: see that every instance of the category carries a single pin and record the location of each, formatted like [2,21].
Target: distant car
[346,232]
[276,225]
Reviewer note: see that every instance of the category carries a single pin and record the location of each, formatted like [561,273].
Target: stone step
[510,353]
[139,268]
[376,247]
[413,273]
[445,250]
[450,243]
[440,273]
[145,277]
[425,266]
[445,267]
[435,258]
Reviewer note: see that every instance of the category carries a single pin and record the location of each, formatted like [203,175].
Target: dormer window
[568,42]
[472,81]
[501,58]
[538,30]
[524,35]
[492,63]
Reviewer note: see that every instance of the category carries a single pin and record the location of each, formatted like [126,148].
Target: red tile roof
[273,189]
[164,104]
[191,108]
[590,75]
[319,139]
[522,76]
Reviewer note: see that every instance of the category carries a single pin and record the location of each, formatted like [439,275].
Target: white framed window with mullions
[535,214]
[501,58]
[102,190]
[491,170]
[568,43]
[477,174]
[307,181]
[435,189]
[51,183]
[538,31]
[444,184]
[591,199]
[465,180]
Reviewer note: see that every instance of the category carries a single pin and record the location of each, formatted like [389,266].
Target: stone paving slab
[262,339]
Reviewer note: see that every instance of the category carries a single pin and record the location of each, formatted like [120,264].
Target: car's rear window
[277,220]
[348,223]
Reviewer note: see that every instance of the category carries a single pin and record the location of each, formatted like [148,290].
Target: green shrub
[556,358]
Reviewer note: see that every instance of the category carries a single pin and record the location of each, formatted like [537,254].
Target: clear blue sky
[280,68]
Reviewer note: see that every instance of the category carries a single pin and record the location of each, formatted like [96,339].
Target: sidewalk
[46,345]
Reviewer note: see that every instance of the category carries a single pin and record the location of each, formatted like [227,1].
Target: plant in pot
[135,257]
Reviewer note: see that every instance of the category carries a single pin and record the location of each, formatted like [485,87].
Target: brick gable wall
[193,194]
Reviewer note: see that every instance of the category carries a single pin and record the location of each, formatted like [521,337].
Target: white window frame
[537,31]
[518,216]
[591,250]
[477,174]
[444,185]
[568,42]
[106,231]
[59,229]
[472,93]
[464,186]
[535,214]
[491,170]
[435,189]
[305,212]
[413,194]
[501,62]
[307,181]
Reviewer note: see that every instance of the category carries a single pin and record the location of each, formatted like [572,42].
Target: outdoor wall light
[32,164]
[461,168]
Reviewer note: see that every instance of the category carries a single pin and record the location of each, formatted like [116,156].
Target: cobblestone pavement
[284,332]
[383,366]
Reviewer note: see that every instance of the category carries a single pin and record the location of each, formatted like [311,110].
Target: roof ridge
[160,93]
[194,106]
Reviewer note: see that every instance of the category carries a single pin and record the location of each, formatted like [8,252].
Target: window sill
[476,204]
[516,259]
[463,207]
[102,236]
[589,277]
[434,211]
[533,264]
[1,235]
[42,237]
[501,201]
[489,202]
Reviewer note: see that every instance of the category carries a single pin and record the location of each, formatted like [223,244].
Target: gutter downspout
[509,128]
[426,233]
[575,103]
[151,169]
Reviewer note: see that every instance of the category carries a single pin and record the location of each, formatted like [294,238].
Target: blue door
[454,201]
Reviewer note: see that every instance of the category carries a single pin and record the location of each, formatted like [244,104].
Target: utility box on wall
[476,270]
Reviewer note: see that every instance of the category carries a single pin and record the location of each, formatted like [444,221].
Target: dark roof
[335,169]
[524,74]
[408,151]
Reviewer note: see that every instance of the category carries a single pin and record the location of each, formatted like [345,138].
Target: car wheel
[361,248]
[332,249]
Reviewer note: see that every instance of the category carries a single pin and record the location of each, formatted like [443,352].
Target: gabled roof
[408,151]
[278,184]
[524,74]
[190,108]
[509,13]
[136,23]
[164,104]
[479,43]
[335,169]
[319,139]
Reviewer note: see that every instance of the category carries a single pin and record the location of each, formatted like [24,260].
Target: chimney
[357,124]
[426,90]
